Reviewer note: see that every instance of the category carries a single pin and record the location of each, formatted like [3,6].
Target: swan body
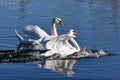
[61,45]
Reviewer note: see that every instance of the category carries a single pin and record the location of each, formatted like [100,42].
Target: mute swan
[61,45]
[36,32]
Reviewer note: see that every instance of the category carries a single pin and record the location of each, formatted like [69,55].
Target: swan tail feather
[19,37]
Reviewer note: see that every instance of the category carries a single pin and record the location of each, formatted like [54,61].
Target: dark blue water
[97,23]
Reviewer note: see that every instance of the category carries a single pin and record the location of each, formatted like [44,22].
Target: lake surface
[97,23]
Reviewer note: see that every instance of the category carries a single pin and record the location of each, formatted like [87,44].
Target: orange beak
[75,33]
[61,23]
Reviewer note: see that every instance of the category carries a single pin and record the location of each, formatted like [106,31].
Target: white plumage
[61,45]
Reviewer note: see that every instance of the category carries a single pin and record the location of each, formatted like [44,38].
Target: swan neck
[75,44]
[54,29]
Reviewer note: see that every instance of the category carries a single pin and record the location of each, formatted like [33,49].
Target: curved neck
[75,44]
[53,29]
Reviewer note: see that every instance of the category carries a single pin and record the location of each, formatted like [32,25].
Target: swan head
[58,20]
[72,32]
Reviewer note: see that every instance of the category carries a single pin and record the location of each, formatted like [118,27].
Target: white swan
[37,34]
[61,45]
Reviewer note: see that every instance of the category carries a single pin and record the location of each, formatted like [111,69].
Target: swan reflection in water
[60,66]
